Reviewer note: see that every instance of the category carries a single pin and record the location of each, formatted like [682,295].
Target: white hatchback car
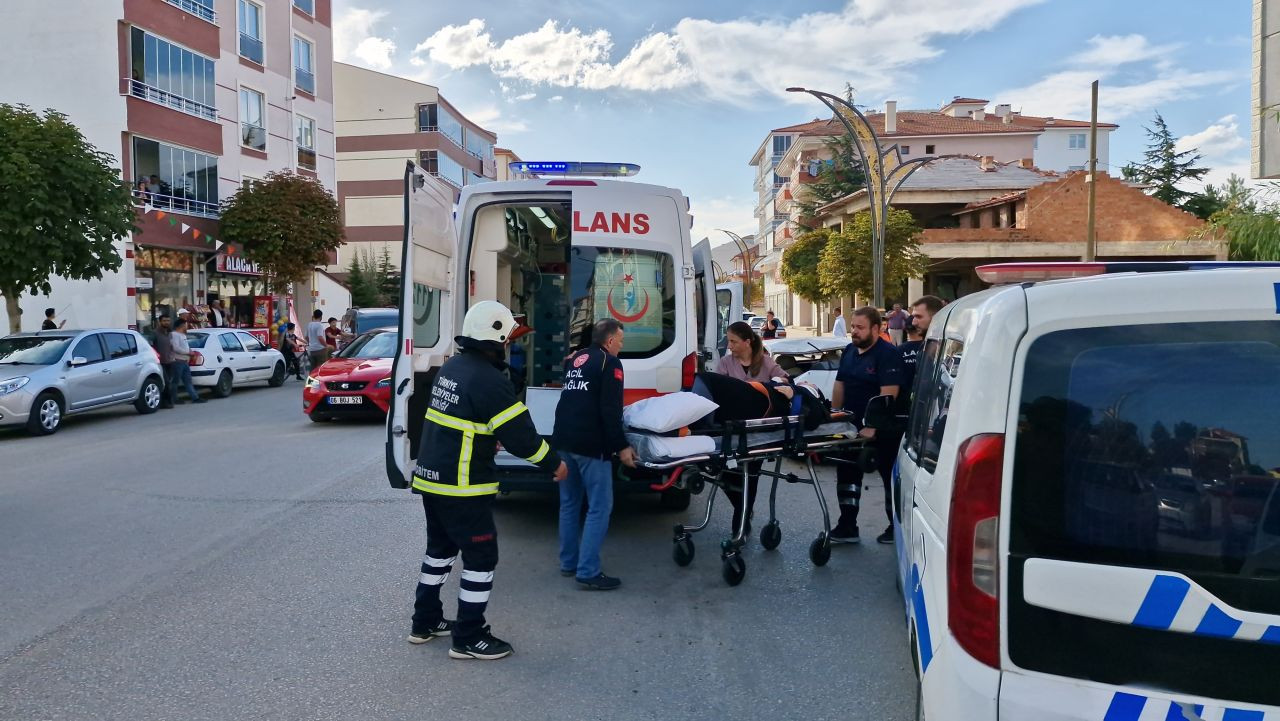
[224,358]
[1043,578]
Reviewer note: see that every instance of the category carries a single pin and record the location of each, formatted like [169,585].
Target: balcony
[783,201]
[176,204]
[199,9]
[306,158]
[304,80]
[251,48]
[252,136]
[139,89]
[448,180]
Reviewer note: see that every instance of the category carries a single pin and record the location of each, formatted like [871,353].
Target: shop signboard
[238,265]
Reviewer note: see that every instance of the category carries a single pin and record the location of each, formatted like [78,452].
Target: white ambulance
[1087,499]
[561,251]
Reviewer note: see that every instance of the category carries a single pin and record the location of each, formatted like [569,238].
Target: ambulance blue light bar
[1004,273]
[598,170]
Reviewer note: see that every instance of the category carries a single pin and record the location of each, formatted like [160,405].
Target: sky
[689,90]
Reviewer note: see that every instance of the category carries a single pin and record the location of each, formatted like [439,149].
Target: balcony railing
[176,204]
[251,48]
[450,181]
[253,136]
[139,89]
[306,158]
[304,80]
[198,9]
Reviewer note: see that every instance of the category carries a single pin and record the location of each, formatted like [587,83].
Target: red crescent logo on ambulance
[628,318]
[577,362]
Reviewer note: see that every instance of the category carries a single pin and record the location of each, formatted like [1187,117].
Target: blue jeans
[580,543]
[182,375]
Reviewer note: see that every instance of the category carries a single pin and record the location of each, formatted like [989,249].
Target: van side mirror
[78,361]
[879,413]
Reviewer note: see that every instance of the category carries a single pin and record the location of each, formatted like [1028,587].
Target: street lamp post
[749,261]
[884,169]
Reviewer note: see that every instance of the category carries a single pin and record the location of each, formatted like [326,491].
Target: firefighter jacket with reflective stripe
[589,414]
[472,408]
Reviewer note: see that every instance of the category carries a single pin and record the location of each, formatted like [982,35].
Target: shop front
[247,302]
[165,283]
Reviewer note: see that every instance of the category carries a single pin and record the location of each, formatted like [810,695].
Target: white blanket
[661,448]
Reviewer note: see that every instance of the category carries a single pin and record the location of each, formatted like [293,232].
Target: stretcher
[728,448]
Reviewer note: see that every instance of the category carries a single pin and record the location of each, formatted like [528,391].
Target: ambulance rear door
[426,325]
[729,309]
[708,310]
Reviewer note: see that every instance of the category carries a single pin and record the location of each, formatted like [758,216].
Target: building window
[478,145]
[930,149]
[306,6]
[251,31]
[473,178]
[1077,141]
[175,178]
[450,170]
[781,144]
[170,75]
[305,134]
[906,150]
[427,118]
[200,8]
[304,77]
[253,119]
[427,161]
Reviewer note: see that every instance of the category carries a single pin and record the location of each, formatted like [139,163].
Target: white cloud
[555,98]
[525,96]
[1219,140]
[868,42]
[491,118]
[731,213]
[354,41]
[1135,78]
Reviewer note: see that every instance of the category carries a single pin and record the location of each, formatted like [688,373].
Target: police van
[563,250]
[1087,500]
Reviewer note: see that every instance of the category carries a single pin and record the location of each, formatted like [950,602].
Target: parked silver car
[49,375]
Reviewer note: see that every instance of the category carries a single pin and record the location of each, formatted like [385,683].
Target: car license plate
[346,400]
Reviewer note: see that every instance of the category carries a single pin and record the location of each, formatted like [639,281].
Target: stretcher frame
[734,454]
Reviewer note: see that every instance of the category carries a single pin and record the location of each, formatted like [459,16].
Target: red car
[355,382]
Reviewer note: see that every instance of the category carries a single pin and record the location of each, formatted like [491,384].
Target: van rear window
[1152,446]
[634,287]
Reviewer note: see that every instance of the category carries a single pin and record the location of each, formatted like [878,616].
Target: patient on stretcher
[749,400]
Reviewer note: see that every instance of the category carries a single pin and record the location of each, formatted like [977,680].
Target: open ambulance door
[729,308]
[426,323]
[705,302]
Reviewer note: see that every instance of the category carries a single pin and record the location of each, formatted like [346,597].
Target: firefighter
[472,407]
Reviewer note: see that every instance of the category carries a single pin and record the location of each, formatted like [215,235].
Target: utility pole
[1091,241]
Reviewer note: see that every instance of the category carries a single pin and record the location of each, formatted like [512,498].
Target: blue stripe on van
[1235,714]
[1271,635]
[1162,602]
[1277,286]
[1176,714]
[1125,707]
[923,639]
[1218,623]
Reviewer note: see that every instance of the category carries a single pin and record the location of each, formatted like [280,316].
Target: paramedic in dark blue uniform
[588,434]
[472,408]
[869,367]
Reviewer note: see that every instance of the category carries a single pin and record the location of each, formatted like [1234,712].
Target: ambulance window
[924,388]
[929,417]
[426,316]
[635,287]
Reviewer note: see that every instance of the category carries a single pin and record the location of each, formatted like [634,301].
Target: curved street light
[749,261]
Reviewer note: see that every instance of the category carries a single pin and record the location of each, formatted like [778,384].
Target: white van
[1087,514]
[564,253]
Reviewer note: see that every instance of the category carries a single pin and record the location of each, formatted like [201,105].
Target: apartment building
[383,121]
[191,98]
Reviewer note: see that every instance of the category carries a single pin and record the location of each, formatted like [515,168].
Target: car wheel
[277,376]
[46,415]
[149,397]
[223,388]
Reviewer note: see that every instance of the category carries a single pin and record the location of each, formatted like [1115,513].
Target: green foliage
[799,266]
[387,279]
[837,178]
[1249,219]
[287,224]
[1163,167]
[363,295]
[844,269]
[62,205]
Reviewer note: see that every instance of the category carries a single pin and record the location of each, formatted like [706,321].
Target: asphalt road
[234,560]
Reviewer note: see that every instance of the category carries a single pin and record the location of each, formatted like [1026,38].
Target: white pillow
[661,414]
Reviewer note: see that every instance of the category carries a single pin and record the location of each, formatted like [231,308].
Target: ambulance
[1087,499]
[563,250]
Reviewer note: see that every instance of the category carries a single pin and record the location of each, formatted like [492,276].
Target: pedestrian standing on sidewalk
[472,408]
[896,320]
[770,328]
[331,336]
[51,323]
[838,329]
[182,361]
[164,349]
[316,348]
[588,433]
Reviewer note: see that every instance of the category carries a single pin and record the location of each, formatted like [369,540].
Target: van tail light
[973,569]
[197,359]
[688,367]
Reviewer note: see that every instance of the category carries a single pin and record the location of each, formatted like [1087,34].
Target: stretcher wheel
[820,550]
[734,569]
[682,551]
[771,535]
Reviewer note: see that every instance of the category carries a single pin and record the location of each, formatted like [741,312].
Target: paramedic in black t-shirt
[869,367]
[922,312]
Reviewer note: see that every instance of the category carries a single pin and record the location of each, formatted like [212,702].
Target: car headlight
[312,383]
[13,384]
[384,383]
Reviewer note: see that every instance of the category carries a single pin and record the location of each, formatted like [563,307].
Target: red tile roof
[931,122]
[802,126]
[967,101]
[998,200]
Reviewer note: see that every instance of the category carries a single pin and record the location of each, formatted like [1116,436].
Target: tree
[388,280]
[1249,219]
[287,223]
[837,178]
[1163,167]
[362,293]
[62,206]
[845,266]
[799,266]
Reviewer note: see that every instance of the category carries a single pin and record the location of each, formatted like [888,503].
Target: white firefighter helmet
[488,320]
